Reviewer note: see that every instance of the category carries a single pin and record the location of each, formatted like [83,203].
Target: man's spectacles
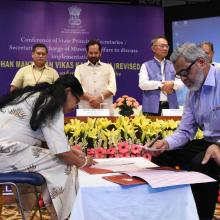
[162,46]
[184,72]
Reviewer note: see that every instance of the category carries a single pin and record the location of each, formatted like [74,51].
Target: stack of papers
[118,165]
[164,178]
[145,171]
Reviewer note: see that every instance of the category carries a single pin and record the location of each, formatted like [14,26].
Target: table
[98,199]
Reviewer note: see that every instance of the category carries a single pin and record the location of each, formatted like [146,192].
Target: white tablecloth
[98,199]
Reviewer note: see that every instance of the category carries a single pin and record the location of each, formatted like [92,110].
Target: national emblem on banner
[74,12]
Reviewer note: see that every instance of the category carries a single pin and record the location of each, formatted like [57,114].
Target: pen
[154,140]
[122,164]
[151,144]
[126,163]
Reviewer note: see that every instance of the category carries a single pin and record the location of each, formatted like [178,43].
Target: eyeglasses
[77,98]
[184,72]
[162,46]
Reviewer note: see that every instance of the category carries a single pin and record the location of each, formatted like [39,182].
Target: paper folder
[124,179]
[91,170]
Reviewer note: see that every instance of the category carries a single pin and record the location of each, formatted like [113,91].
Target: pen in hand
[154,141]
[146,148]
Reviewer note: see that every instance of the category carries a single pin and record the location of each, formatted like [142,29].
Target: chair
[34,179]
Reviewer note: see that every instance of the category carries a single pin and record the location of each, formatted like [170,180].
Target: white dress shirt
[95,79]
[146,84]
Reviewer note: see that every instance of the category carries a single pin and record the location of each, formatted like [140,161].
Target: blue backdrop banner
[125,33]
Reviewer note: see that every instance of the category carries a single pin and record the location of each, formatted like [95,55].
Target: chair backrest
[32,178]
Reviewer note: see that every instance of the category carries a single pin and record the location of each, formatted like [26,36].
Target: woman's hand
[76,157]
[90,161]
[78,152]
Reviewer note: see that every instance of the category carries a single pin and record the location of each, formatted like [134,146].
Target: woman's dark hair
[50,100]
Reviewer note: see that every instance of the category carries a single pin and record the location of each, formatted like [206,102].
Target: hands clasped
[167,87]
[95,101]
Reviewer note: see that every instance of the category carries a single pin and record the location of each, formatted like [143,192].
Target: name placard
[92,112]
[172,112]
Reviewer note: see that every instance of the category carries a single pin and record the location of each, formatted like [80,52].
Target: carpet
[10,212]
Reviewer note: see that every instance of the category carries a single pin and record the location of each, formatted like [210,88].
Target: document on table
[164,178]
[110,165]
[117,166]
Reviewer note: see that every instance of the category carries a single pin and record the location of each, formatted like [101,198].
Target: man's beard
[94,60]
[198,82]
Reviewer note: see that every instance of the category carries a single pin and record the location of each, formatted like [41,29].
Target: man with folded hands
[157,80]
[201,110]
[97,78]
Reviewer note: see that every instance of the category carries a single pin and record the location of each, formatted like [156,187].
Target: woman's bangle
[102,96]
[85,163]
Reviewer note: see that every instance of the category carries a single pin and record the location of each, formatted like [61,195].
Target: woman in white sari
[31,116]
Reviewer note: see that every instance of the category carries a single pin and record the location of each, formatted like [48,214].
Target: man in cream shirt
[97,78]
[37,72]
